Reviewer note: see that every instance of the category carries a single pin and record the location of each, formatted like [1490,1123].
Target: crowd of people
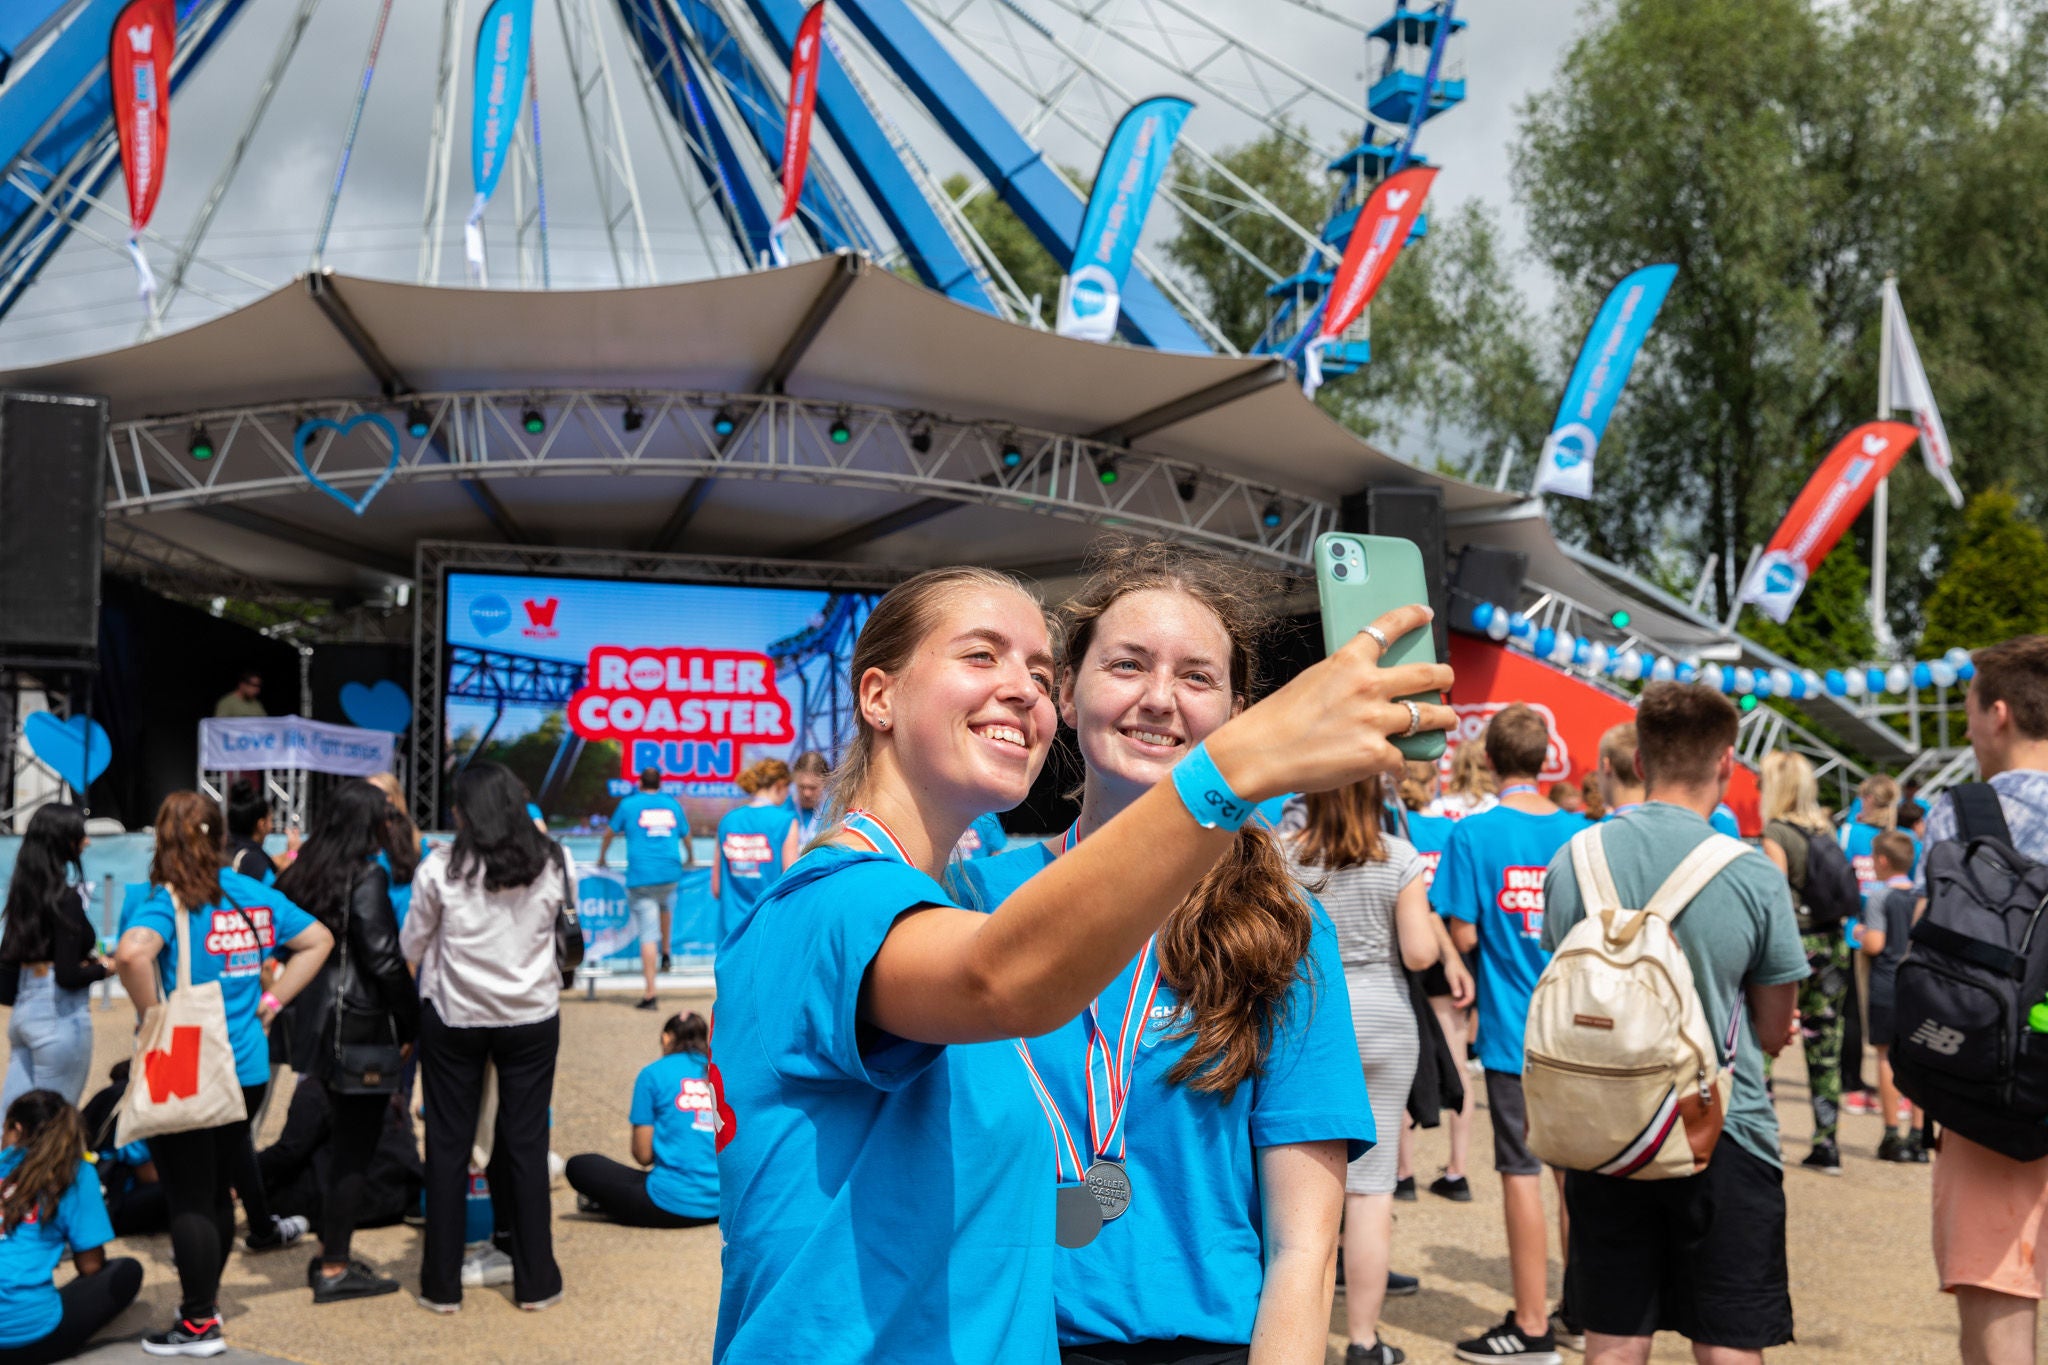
[1265,953]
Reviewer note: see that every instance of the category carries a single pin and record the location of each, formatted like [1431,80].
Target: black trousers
[622,1192]
[90,1303]
[356,1123]
[451,1085]
[1179,1351]
[198,1170]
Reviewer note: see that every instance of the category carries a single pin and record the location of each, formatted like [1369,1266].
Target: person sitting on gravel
[675,1134]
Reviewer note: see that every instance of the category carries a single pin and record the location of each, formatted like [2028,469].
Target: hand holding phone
[1358,580]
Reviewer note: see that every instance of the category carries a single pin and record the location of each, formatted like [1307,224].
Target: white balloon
[1897,679]
[1814,685]
[1853,682]
[1745,682]
[1562,651]
[1601,659]
[1497,628]
[1663,669]
[1957,656]
[1944,673]
[1781,683]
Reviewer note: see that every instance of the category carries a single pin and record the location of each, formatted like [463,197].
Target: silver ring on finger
[1379,636]
[1414,720]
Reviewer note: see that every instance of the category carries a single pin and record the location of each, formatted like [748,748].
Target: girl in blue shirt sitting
[675,1123]
[50,1200]
[1227,1093]
[888,1184]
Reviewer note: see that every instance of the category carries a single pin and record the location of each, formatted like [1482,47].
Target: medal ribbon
[869,829]
[1109,1101]
[1522,789]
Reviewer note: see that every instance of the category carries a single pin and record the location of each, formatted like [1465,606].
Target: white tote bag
[183,1076]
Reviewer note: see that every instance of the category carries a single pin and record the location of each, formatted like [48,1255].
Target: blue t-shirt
[29,1307]
[1491,877]
[654,826]
[673,1097]
[880,1199]
[1187,1259]
[1724,822]
[985,838]
[1859,840]
[1429,834]
[228,946]
[400,892]
[750,841]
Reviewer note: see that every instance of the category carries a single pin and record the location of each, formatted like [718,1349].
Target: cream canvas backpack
[1622,1075]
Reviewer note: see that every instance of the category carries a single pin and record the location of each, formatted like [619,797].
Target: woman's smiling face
[1154,682]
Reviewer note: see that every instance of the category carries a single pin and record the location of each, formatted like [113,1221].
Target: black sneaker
[359,1281]
[1404,1189]
[1916,1144]
[1891,1147]
[187,1337]
[1506,1342]
[652,1002]
[1455,1188]
[1379,1353]
[1401,1286]
[1825,1159]
[283,1233]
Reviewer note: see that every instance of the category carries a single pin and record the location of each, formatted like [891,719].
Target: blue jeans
[49,1039]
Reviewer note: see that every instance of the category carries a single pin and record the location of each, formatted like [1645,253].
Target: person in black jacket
[48,961]
[364,994]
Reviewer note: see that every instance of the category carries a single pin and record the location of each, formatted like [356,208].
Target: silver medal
[1077,1218]
[1111,1186]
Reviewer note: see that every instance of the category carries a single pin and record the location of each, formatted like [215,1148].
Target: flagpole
[1881,505]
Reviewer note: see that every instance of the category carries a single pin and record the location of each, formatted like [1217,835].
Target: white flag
[1911,391]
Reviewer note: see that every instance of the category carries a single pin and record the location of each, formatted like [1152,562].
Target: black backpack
[1975,964]
[1831,893]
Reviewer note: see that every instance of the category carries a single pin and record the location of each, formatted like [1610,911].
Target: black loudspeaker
[1415,514]
[53,478]
[1486,574]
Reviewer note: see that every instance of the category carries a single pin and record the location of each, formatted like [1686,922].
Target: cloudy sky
[265,228]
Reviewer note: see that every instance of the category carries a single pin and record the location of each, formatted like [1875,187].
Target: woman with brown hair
[1215,1083]
[1375,889]
[755,842]
[874,1110]
[233,923]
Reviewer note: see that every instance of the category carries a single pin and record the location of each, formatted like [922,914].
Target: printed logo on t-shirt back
[745,853]
[696,1097]
[241,937]
[1865,866]
[656,822]
[1521,897]
[1429,862]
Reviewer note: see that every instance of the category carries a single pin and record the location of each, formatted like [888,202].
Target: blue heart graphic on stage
[309,428]
[77,750]
[490,614]
[381,706]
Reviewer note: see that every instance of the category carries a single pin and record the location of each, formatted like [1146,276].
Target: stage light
[1619,620]
[530,417]
[839,431]
[632,419]
[1272,516]
[1190,483]
[726,422]
[418,422]
[1105,470]
[921,438]
[1748,701]
[1012,456]
[202,444]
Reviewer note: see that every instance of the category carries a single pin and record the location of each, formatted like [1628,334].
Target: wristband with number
[273,1002]
[1207,796]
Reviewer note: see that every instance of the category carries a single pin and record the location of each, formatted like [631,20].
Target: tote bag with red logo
[183,1076]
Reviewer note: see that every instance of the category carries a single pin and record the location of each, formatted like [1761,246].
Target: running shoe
[423,1301]
[652,1002]
[1507,1344]
[542,1305]
[1455,1188]
[1400,1286]
[1916,1143]
[358,1281]
[1404,1189]
[187,1337]
[284,1232]
[486,1266]
[1379,1353]
[1824,1159]
[1891,1147]
[1859,1102]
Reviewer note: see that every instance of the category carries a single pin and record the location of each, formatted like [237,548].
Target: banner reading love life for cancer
[796,123]
[1377,236]
[1832,498]
[503,42]
[139,55]
[1134,162]
[1566,465]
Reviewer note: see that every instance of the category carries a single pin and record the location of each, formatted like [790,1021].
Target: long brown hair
[189,848]
[53,1143]
[888,640]
[1343,827]
[1233,948]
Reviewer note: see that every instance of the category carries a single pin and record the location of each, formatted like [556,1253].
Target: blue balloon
[1923,676]
[1873,678]
[1482,615]
[1966,670]
[1837,685]
[1582,650]
[1687,673]
[1763,681]
[1546,640]
[1520,625]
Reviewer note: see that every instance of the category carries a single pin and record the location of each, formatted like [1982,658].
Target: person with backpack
[1991,1161]
[1887,924]
[1700,1251]
[1800,841]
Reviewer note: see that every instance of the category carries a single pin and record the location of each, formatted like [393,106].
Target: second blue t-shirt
[654,826]
[672,1095]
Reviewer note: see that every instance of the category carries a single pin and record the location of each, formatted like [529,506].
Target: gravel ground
[1862,1277]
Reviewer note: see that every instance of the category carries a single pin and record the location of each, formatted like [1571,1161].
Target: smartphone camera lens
[1340,571]
[1336,549]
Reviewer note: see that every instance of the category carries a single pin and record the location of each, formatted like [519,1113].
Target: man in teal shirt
[657,843]
[1639,1261]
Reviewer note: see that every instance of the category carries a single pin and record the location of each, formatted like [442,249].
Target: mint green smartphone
[1358,580]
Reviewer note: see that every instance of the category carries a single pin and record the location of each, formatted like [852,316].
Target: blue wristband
[1206,795]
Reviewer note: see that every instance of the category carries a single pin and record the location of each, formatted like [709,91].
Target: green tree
[1030,266]
[1990,589]
[1225,280]
[1831,624]
[529,756]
